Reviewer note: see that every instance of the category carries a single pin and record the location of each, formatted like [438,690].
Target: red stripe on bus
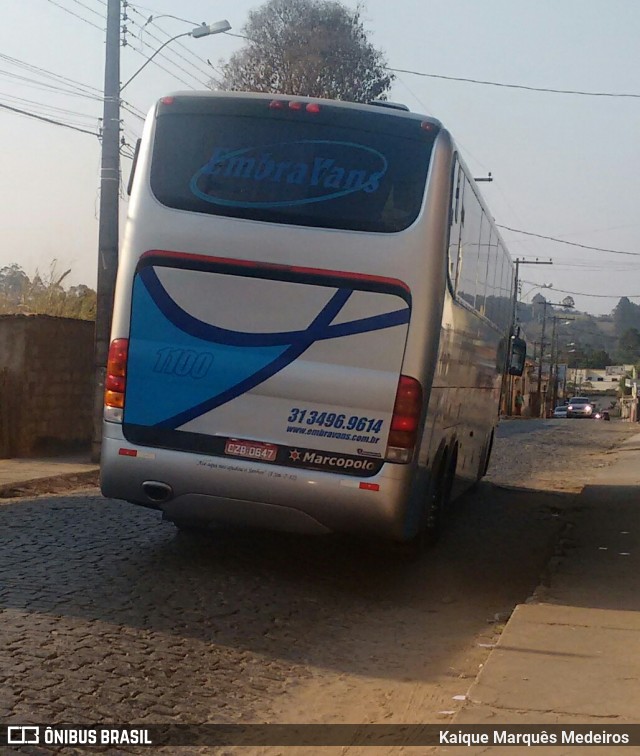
[274,266]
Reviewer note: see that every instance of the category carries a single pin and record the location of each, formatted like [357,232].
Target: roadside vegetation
[44,294]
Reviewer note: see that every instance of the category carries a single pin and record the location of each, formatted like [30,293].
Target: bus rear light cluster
[405,420]
[310,107]
[115,382]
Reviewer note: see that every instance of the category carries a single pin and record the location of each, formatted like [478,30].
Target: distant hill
[581,339]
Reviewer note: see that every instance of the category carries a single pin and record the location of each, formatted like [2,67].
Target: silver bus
[312,319]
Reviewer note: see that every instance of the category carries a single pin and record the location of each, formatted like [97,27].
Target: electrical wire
[582,294]
[70,12]
[50,75]
[46,120]
[78,119]
[87,7]
[26,81]
[513,86]
[159,65]
[571,244]
[172,52]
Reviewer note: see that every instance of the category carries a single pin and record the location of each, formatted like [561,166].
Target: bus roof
[392,111]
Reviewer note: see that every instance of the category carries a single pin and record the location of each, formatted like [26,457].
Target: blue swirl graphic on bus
[343,168]
[240,361]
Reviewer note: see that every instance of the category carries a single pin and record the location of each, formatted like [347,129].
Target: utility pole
[110,197]
[109,208]
[539,390]
[544,322]
[514,314]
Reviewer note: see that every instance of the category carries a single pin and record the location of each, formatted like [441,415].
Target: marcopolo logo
[334,461]
[289,173]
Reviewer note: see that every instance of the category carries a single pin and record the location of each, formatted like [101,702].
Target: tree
[599,359]
[13,283]
[626,315]
[311,48]
[629,347]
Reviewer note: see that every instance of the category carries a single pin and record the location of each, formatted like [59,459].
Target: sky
[563,165]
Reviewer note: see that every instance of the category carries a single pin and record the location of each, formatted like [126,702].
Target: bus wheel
[434,501]
[485,459]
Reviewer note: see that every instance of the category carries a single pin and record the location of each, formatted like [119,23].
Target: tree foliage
[629,347]
[44,294]
[311,48]
[626,315]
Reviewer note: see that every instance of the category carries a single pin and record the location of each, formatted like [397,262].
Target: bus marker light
[167,100]
[369,486]
[313,107]
[295,105]
[127,452]
[276,105]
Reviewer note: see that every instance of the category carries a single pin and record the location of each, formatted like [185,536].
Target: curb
[51,484]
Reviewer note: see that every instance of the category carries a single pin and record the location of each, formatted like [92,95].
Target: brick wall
[46,384]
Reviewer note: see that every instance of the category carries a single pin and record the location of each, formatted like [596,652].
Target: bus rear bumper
[220,490]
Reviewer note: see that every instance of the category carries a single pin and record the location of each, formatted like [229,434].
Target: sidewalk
[572,654]
[25,477]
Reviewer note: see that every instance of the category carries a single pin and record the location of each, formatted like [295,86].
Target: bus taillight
[115,381]
[405,420]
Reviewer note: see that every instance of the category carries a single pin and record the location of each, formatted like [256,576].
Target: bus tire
[485,459]
[433,497]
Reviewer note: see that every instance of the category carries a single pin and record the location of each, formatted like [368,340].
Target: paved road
[110,615]
[510,428]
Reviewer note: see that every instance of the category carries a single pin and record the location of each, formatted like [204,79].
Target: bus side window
[457,222]
[469,247]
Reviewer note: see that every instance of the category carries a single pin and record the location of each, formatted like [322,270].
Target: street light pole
[200,31]
[109,200]
[108,224]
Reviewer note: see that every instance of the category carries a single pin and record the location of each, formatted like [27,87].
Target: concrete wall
[46,384]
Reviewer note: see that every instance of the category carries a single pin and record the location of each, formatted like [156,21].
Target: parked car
[580,406]
[560,411]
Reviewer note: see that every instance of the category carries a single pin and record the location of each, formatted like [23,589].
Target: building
[597,381]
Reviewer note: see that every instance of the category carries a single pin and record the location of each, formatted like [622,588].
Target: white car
[560,411]
[580,406]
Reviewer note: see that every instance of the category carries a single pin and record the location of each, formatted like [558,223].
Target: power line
[87,7]
[512,86]
[67,10]
[131,110]
[48,74]
[50,87]
[154,20]
[45,107]
[46,120]
[571,244]
[155,62]
[582,293]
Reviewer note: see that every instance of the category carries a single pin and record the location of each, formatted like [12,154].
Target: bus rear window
[337,168]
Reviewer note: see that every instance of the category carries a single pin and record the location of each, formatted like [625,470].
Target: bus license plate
[251,450]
